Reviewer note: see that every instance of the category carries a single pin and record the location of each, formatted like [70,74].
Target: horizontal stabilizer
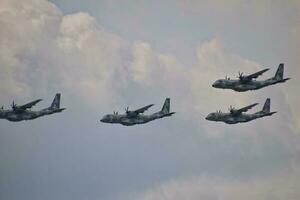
[169,114]
[284,80]
[270,113]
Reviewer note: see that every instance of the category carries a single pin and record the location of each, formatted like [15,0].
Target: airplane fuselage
[26,114]
[240,86]
[130,121]
[230,119]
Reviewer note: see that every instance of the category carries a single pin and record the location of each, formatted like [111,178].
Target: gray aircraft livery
[136,117]
[20,113]
[245,83]
[237,116]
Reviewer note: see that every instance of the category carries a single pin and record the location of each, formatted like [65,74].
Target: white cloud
[44,50]
[92,57]
[25,28]
[41,49]
[281,186]
[143,62]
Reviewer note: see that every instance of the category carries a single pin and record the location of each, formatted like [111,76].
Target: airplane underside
[243,88]
[134,122]
[237,120]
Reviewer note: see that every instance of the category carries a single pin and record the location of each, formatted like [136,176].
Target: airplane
[20,113]
[246,82]
[237,116]
[131,118]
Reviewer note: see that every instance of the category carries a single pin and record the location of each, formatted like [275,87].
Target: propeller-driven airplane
[237,115]
[136,117]
[20,113]
[246,82]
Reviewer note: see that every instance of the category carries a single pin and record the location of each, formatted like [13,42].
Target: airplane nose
[213,85]
[208,117]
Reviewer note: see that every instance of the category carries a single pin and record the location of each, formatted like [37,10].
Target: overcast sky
[105,55]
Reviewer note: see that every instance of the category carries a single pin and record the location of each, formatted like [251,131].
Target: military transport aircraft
[20,113]
[245,83]
[136,117]
[237,115]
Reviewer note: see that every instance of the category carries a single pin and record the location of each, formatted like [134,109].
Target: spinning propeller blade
[231,108]
[13,105]
[240,76]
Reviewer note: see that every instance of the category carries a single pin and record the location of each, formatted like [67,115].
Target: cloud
[41,50]
[281,186]
[143,62]
[44,50]
[24,31]
[91,56]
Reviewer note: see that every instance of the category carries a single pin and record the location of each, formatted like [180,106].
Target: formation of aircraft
[248,82]
[136,117]
[243,83]
[239,116]
[20,113]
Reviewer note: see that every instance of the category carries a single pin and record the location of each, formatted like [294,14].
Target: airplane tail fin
[279,74]
[56,102]
[166,108]
[267,107]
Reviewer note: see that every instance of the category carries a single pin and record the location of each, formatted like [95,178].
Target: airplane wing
[245,109]
[138,111]
[237,112]
[143,109]
[28,105]
[255,75]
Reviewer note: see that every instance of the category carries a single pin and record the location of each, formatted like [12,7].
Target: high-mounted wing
[138,111]
[245,109]
[143,109]
[251,76]
[257,74]
[241,110]
[28,105]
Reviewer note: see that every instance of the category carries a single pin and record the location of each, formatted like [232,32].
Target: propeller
[2,108]
[231,109]
[227,78]
[240,76]
[127,109]
[13,105]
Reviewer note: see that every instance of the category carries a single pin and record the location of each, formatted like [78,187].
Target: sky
[105,55]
